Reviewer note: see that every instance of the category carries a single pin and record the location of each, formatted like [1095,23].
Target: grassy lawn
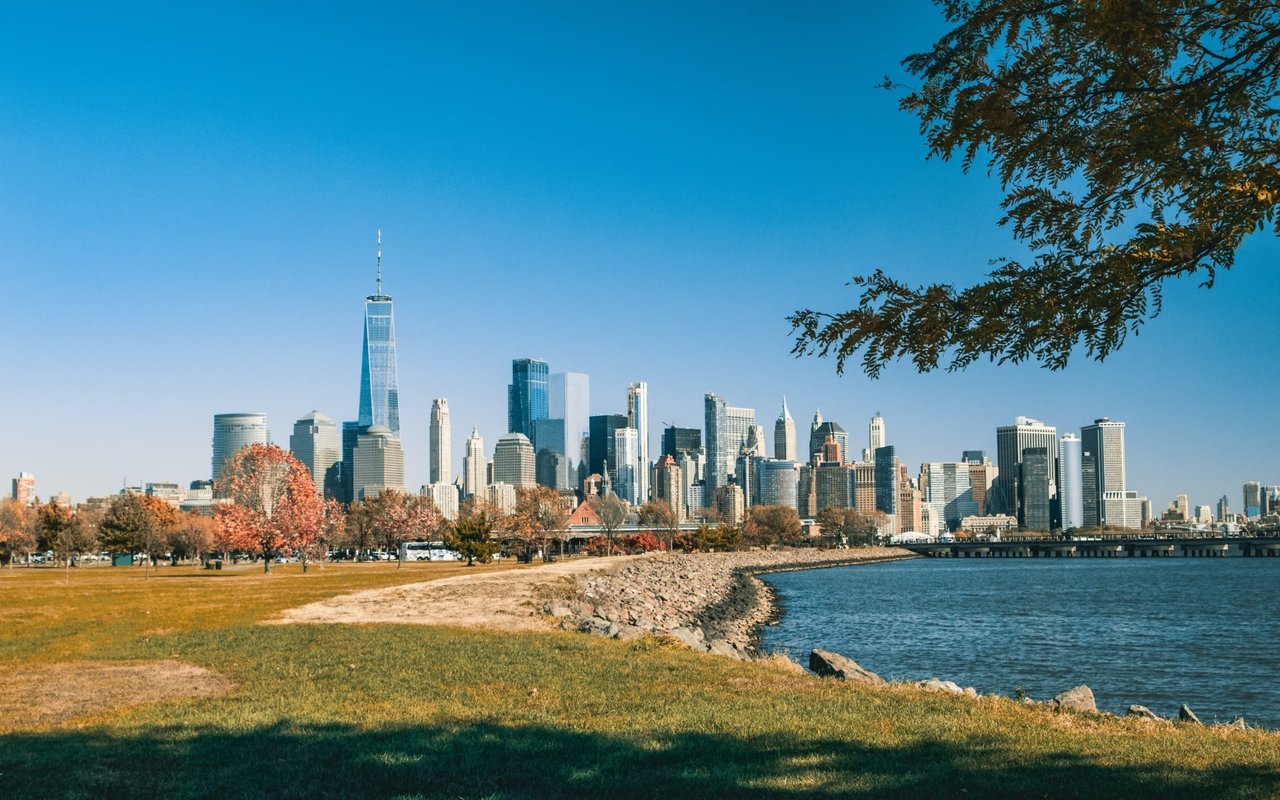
[395,711]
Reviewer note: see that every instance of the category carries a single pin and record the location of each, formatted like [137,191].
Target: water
[1156,632]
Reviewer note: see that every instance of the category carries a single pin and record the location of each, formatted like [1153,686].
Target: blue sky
[189,195]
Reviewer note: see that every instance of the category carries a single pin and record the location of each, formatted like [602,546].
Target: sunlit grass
[389,710]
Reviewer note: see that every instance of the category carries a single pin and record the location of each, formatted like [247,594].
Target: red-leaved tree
[273,508]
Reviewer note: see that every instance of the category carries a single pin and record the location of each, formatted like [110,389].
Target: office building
[677,440]
[379,386]
[946,489]
[982,474]
[513,461]
[1252,499]
[669,487]
[829,429]
[441,458]
[1036,482]
[776,482]
[24,488]
[231,432]
[1125,510]
[316,443]
[1070,482]
[569,399]
[875,433]
[626,469]
[377,463]
[501,496]
[887,486]
[549,434]
[1102,467]
[1224,509]
[727,430]
[445,498]
[1011,441]
[784,435]
[638,418]
[474,466]
[974,456]
[600,442]
[527,395]
[551,469]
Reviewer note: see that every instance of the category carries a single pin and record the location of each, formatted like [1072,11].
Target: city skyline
[202,230]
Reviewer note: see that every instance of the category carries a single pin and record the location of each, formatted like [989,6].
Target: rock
[560,611]
[937,685]
[722,648]
[970,691]
[629,633]
[1144,713]
[1079,698]
[687,638]
[1026,701]
[1187,715]
[1238,724]
[829,664]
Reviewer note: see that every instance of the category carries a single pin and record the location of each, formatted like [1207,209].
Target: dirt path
[505,600]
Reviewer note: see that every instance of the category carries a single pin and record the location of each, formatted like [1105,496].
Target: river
[1155,632]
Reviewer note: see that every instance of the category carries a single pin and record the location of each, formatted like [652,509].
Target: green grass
[405,711]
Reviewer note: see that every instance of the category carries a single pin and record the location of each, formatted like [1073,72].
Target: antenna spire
[379,262]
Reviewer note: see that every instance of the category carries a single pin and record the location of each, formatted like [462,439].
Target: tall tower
[784,435]
[379,386]
[1070,482]
[569,398]
[513,461]
[526,395]
[638,418]
[378,463]
[441,444]
[315,442]
[474,465]
[1011,441]
[234,431]
[1102,465]
[875,433]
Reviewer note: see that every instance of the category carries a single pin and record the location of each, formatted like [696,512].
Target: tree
[191,537]
[659,515]
[772,525]
[1135,142]
[851,525]
[472,535]
[273,506]
[398,517]
[137,523]
[17,529]
[59,530]
[612,513]
[539,516]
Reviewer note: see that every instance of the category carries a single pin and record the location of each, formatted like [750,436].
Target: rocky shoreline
[710,602]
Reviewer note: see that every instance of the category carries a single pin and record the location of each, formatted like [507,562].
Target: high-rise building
[445,498]
[784,435]
[727,430]
[638,418]
[1011,441]
[569,399]
[600,443]
[669,487]
[379,386]
[1070,482]
[974,456]
[886,470]
[351,431]
[1252,499]
[513,461]
[626,469]
[776,482]
[982,473]
[1036,481]
[527,395]
[1224,508]
[1102,467]
[676,440]
[549,434]
[875,433]
[441,463]
[818,439]
[946,489]
[551,469]
[474,465]
[315,442]
[378,463]
[24,488]
[234,431]
[501,496]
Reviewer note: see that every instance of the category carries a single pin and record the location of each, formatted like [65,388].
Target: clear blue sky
[189,194]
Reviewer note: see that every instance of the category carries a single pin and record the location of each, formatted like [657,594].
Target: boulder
[722,648]
[937,685]
[628,633]
[1238,724]
[1144,713]
[1187,715]
[560,611]
[687,638]
[829,664]
[1079,698]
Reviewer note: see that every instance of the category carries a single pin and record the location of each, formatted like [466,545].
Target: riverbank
[711,602]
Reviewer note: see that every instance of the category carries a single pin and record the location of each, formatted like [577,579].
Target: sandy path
[505,600]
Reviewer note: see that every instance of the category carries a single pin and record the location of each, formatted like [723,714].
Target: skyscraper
[1011,441]
[638,418]
[315,442]
[24,488]
[727,429]
[1102,467]
[1252,498]
[569,399]
[1037,492]
[513,461]
[887,483]
[600,453]
[1071,482]
[675,440]
[234,431]
[626,471]
[441,467]
[818,440]
[946,489]
[379,387]
[378,463]
[474,465]
[875,432]
[527,395]
[784,435]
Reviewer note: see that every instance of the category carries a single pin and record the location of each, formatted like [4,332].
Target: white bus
[426,551]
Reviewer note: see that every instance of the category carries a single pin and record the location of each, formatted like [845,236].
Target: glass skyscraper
[379,387]
[527,395]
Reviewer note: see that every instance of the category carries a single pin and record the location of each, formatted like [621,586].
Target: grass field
[393,711]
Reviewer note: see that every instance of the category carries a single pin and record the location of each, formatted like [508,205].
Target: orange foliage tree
[273,508]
